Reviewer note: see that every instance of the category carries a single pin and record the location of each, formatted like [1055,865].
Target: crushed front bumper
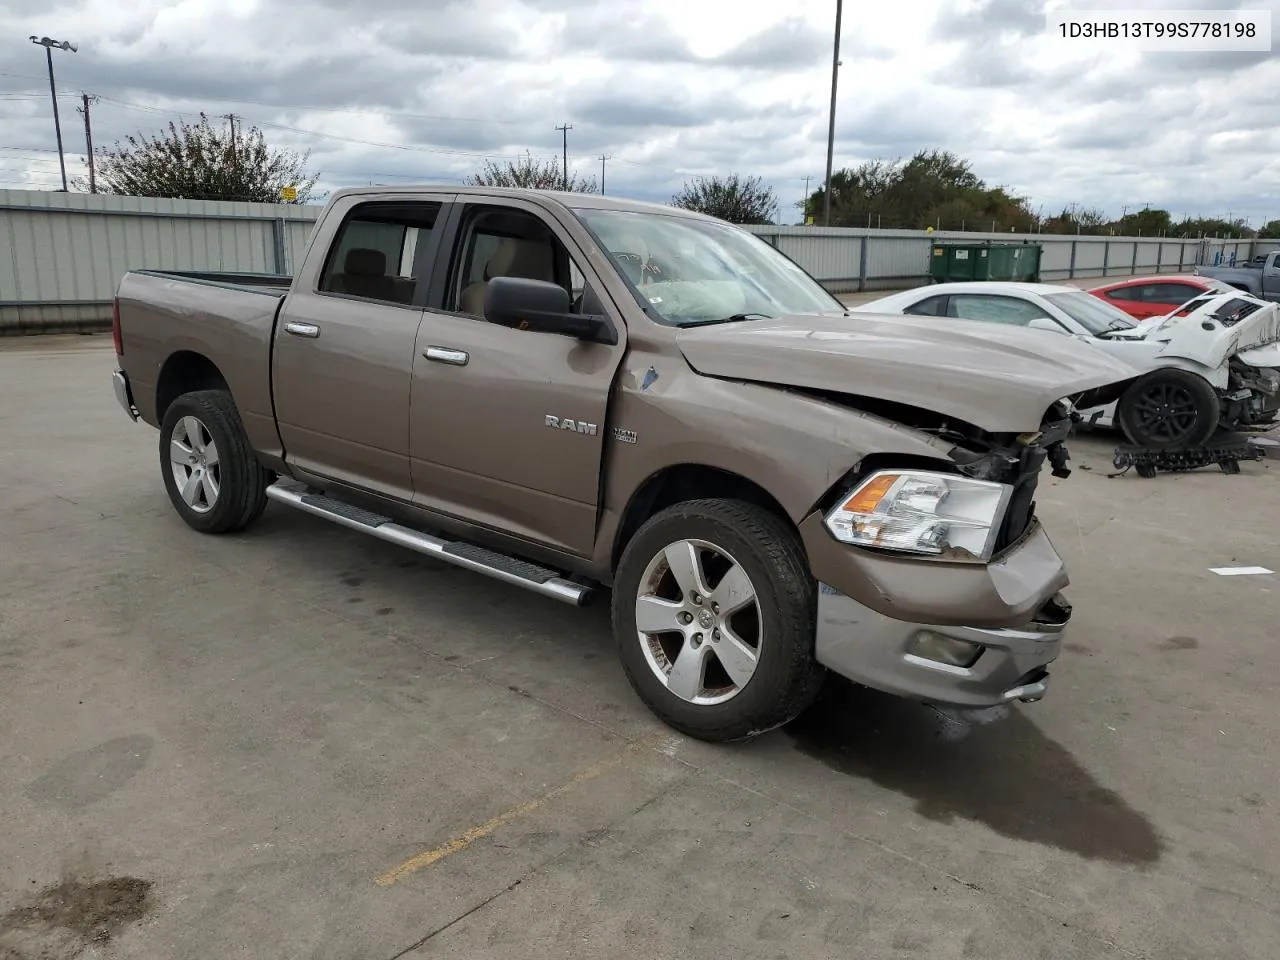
[124,393]
[876,651]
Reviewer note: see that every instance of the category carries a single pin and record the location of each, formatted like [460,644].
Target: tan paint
[469,448]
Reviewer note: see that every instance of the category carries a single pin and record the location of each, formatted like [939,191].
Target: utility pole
[235,156]
[831,126]
[804,207]
[564,170]
[48,45]
[88,140]
[603,158]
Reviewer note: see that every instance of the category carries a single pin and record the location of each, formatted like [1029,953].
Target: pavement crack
[577,843]
[417,944]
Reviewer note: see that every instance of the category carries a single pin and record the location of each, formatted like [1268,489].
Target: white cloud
[665,88]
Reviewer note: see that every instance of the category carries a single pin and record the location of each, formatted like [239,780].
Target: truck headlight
[921,511]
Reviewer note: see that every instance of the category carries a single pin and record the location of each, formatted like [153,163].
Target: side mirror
[537,305]
[1044,323]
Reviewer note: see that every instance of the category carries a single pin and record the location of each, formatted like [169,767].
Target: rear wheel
[714,611]
[210,472]
[1169,410]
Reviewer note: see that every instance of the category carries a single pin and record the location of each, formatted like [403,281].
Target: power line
[181,114]
[170,112]
[379,111]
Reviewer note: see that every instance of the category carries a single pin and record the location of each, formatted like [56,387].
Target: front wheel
[1169,410]
[210,472]
[714,611]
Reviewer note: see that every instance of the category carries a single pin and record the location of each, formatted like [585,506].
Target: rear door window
[1173,294]
[993,309]
[380,252]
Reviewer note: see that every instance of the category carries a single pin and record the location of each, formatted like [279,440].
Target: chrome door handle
[447,355]
[301,329]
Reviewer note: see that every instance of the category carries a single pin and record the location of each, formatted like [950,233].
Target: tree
[531,174]
[203,162]
[1072,220]
[1270,230]
[935,188]
[1147,222]
[729,198]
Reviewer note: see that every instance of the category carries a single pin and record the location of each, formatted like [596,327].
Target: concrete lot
[299,742]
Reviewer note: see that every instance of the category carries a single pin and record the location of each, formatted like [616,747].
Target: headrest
[364,262]
[521,258]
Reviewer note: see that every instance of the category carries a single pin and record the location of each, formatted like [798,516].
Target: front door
[344,348]
[508,426]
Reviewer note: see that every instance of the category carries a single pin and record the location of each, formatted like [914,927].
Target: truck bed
[168,318]
[269,283]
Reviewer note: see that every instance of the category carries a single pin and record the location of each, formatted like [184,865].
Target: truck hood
[1001,379]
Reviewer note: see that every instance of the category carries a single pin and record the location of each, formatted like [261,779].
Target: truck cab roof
[562,198]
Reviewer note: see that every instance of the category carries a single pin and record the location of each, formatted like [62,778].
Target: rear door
[1163,298]
[344,348]
[995,308]
[1270,286]
[508,426]
[1129,298]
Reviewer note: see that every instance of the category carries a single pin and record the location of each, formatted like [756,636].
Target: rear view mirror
[537,305]
[1044,323]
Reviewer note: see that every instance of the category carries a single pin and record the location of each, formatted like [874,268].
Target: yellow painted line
[479,832]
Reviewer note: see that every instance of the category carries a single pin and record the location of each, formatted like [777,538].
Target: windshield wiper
[730,319]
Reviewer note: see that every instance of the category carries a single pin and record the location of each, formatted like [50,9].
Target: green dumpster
[954,262]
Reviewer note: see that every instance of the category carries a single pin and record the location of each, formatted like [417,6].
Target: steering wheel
[641,272]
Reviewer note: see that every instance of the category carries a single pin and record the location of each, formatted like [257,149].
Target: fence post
[1071,271]
[1182,253]
[1133,264]
[277,237]
[1160,256]
[862,263]
[1106,257]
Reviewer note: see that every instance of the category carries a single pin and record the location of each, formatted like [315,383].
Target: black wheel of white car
[714,611]
[210,472]
[1169,409]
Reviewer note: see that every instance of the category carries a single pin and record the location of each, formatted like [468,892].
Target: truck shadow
[1008,775]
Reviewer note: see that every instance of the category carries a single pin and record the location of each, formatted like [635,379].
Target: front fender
[792,445]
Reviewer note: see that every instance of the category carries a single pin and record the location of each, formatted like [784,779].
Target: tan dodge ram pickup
[571,393]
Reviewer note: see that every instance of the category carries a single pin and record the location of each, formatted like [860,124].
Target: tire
[751,669]
[238,492]
[1169,410]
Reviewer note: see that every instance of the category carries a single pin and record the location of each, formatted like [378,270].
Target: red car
[1143,297]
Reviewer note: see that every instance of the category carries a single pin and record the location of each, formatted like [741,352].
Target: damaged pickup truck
[572,393]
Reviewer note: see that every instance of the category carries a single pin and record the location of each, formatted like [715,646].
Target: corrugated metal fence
[847,260]
[61,255]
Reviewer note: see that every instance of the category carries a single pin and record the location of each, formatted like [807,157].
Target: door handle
[447,355]
[297,329]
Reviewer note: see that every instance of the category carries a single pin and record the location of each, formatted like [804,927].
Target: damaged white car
[1212,363]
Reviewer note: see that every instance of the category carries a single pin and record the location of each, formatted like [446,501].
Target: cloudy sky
[424,90]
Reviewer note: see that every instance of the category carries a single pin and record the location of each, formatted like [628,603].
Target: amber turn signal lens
[869,495]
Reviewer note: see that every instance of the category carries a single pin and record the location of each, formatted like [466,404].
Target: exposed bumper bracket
[124,393]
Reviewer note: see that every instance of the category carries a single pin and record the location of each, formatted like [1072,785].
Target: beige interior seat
[364,274]
[530,259]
